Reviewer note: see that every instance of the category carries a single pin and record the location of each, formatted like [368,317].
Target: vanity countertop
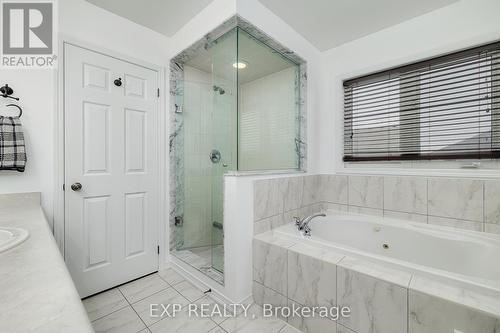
[36,290]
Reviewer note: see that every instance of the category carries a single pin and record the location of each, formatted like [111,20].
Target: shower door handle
[215,156]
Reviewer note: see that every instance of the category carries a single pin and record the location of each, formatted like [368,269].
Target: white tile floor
[126,309]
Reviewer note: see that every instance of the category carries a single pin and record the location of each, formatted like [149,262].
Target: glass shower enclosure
[239,112]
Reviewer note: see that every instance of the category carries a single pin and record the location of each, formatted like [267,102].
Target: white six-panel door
[111,223]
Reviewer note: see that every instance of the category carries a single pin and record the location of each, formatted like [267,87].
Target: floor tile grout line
[170,284]
[121,308]
[130,304]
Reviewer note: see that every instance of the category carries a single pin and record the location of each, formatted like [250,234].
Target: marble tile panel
[268,198]
[263,295]
[455,223]
[330,208]
[492,201]
[456,198]
[492,228]
[486,301]
[311,193]
[312,275]
[311,324]
[136,290]
[381,272]
[165,297]
[366,211]
[405,194]
[121,321]
[270,265]
[333,189]
[432,314]
[293,190]
[268,223]
[412,217]
[104,303]
[366,191]
[376,305]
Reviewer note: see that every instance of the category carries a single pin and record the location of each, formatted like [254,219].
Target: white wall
[35,88]
[79,21]
[464,24]
[208,19]
[83,21]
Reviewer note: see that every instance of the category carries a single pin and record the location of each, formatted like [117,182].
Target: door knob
[76,187]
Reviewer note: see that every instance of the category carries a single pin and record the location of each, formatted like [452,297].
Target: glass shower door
[224,135]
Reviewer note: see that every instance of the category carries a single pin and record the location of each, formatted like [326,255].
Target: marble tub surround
[431,314]
[376,305]
[382,298]
[36,290]
[465,203]
[310,273]
[366,191]
[278,200]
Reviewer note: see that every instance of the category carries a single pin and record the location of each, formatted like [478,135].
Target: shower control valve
[215,156]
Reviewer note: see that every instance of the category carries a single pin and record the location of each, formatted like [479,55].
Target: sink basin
[10,237]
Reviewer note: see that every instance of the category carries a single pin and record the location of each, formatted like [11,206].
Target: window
[443,108]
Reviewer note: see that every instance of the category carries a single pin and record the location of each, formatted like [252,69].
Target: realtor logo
[28,34]
[27,28]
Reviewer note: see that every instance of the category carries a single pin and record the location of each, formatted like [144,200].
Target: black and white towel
[12,147]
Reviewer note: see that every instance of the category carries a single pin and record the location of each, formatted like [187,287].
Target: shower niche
[236,103]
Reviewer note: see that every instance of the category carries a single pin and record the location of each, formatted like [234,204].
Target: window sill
[487,169]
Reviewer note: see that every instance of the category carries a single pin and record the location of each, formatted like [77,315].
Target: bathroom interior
[233,166]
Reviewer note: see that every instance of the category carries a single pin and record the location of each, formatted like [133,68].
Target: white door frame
[162,153]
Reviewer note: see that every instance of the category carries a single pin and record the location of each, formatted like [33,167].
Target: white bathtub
[464,256]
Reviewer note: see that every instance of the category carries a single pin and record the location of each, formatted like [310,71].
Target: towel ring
[17,106]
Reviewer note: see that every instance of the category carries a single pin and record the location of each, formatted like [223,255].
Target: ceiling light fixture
[240,65]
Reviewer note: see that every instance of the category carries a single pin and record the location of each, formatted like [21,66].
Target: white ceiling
[330,23]
[324,23]
[163,16]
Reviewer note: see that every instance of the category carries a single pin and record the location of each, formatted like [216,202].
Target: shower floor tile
[111,311]
[204,259]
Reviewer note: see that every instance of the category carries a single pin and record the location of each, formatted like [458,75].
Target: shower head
[220,90]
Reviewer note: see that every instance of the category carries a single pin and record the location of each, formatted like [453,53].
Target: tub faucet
[303,224]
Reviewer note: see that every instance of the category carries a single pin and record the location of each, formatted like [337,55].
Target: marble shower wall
[466,203]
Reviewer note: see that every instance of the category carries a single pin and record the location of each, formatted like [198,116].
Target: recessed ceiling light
[240,65]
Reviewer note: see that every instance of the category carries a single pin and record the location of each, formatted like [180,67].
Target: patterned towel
[12,148]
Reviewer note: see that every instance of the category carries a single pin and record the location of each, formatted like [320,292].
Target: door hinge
[64,187]
[158,249]
[158,92]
